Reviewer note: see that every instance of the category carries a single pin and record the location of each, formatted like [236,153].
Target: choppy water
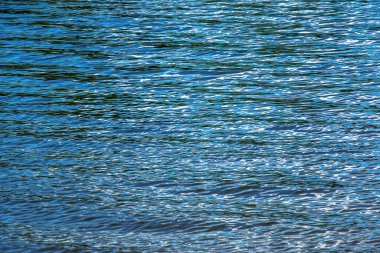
[189,126]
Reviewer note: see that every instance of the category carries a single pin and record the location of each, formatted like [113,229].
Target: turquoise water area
[189,126]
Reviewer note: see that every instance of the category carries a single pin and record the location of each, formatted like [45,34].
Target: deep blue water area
[189,126]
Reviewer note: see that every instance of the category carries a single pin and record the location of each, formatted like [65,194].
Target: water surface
[189,126]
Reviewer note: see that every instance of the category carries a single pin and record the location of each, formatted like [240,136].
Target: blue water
[189,126]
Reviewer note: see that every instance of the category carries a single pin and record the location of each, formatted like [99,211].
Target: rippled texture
[189,126]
